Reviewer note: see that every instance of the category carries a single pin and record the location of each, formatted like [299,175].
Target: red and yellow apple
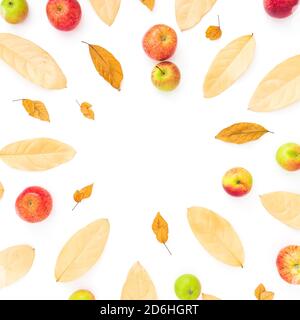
[166,76]
[34,204]
[14,11]
[160,42]
[288,264]
[288,156]
[237,182]
[280,8]
[82,295]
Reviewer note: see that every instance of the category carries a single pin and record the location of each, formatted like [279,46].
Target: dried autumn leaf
[217,236]
[86,110]
[1,190]
[82,194]
[267,295]
[213,33]
[149,4]
[15,262]
[161,229]
[190,12]
[107,65]
[242,132]
[106,10]
[82,251]
[259,290]
[229,65]
[283,206]
[36,154]
[30,61]
[36,109]
[138,285]
[209,297]
[279,89]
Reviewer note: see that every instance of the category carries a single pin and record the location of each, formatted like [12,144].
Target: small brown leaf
[149,4]
[36,109]
[242,132]
[86,110]
[1,190]
[259,290]
[267,295]
[107,65]
[82,194]
[209,297]
[161,229]
[214,32]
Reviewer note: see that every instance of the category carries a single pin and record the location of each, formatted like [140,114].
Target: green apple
[165,76]
[82,295]
[14,11]
[188,287]
[288,156]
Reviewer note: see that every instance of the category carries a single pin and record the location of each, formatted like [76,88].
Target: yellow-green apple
[288,156]
[82,295]
[237,182]
[166,76]
[187,287]
[280,8]
[160,42]
[288,264]
[34,204]
[64,15]
[14,11]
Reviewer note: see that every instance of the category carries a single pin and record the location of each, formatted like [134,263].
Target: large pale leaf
[229,65]
[138,285]
[15,262]
[32,62]
[284,206]
[36,154]
[217,236]
[190,12]
[106,10]
[279,89]
[82,251]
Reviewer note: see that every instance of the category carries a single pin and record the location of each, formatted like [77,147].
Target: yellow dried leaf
[138,285]
[82,194]
[229,65]
[106,10]
[279,89]
[149,4]
[82,251]
[242,132]
[86,110]
[283,206]
[267,295]
[1,190]
[30,61]
[259,290]
[190,12]
[213,33]
[209,297]
[15,262]
[217,236]
[36,109]
[160,228]
[36,154]
[107,65]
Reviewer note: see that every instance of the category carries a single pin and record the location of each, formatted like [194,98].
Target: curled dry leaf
[214,32]
[149,4]
[107,65]
[36,154]
[87,111]
[1,190]
[190,12]
[82,194]
[209,297]
[283,206]
[15,262]
[280,88]
[262,294]
[242,132]
[106,10]
[161,229]
[36,109]
[30,61]
[138,285]
[82,251]
[229,65]
[217,236]
[267,295]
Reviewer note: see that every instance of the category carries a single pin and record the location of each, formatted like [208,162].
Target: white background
[149,151]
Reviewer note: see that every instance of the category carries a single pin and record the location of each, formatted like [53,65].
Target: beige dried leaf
[190,12]
[106,10]
[82,251]
[30,61]
[138,285]
[15,263]
[217,236]
[36,154]
[209,297]
[1,190]
[36,109]
[229,65]
[283,206]
[267,295]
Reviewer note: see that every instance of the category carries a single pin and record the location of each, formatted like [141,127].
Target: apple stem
[160,69]
[75,206]
[167,248]
[219,21]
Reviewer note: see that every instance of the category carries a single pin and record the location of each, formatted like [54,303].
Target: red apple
[34,204]
[280,8]
[64,15]
[288,264]
[160,42]
[166,76]
[237,182]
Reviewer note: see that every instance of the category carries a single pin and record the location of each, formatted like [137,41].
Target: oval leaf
[36,109]
[209,297]
[229,65]
[36,154]
[82,251]
[283,206]
[242,132]
[190,12]
[259,290]
[160,228]
[32,62]
[1,190]
[267,295]
[217,236]
[279,89]
[15,262]
[106,10]
[149,4]
[138,285]
[87,111]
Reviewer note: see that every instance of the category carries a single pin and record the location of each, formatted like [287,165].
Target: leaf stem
[16,100]
[77,102]
[167,248]
[219,22]
[75,206]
